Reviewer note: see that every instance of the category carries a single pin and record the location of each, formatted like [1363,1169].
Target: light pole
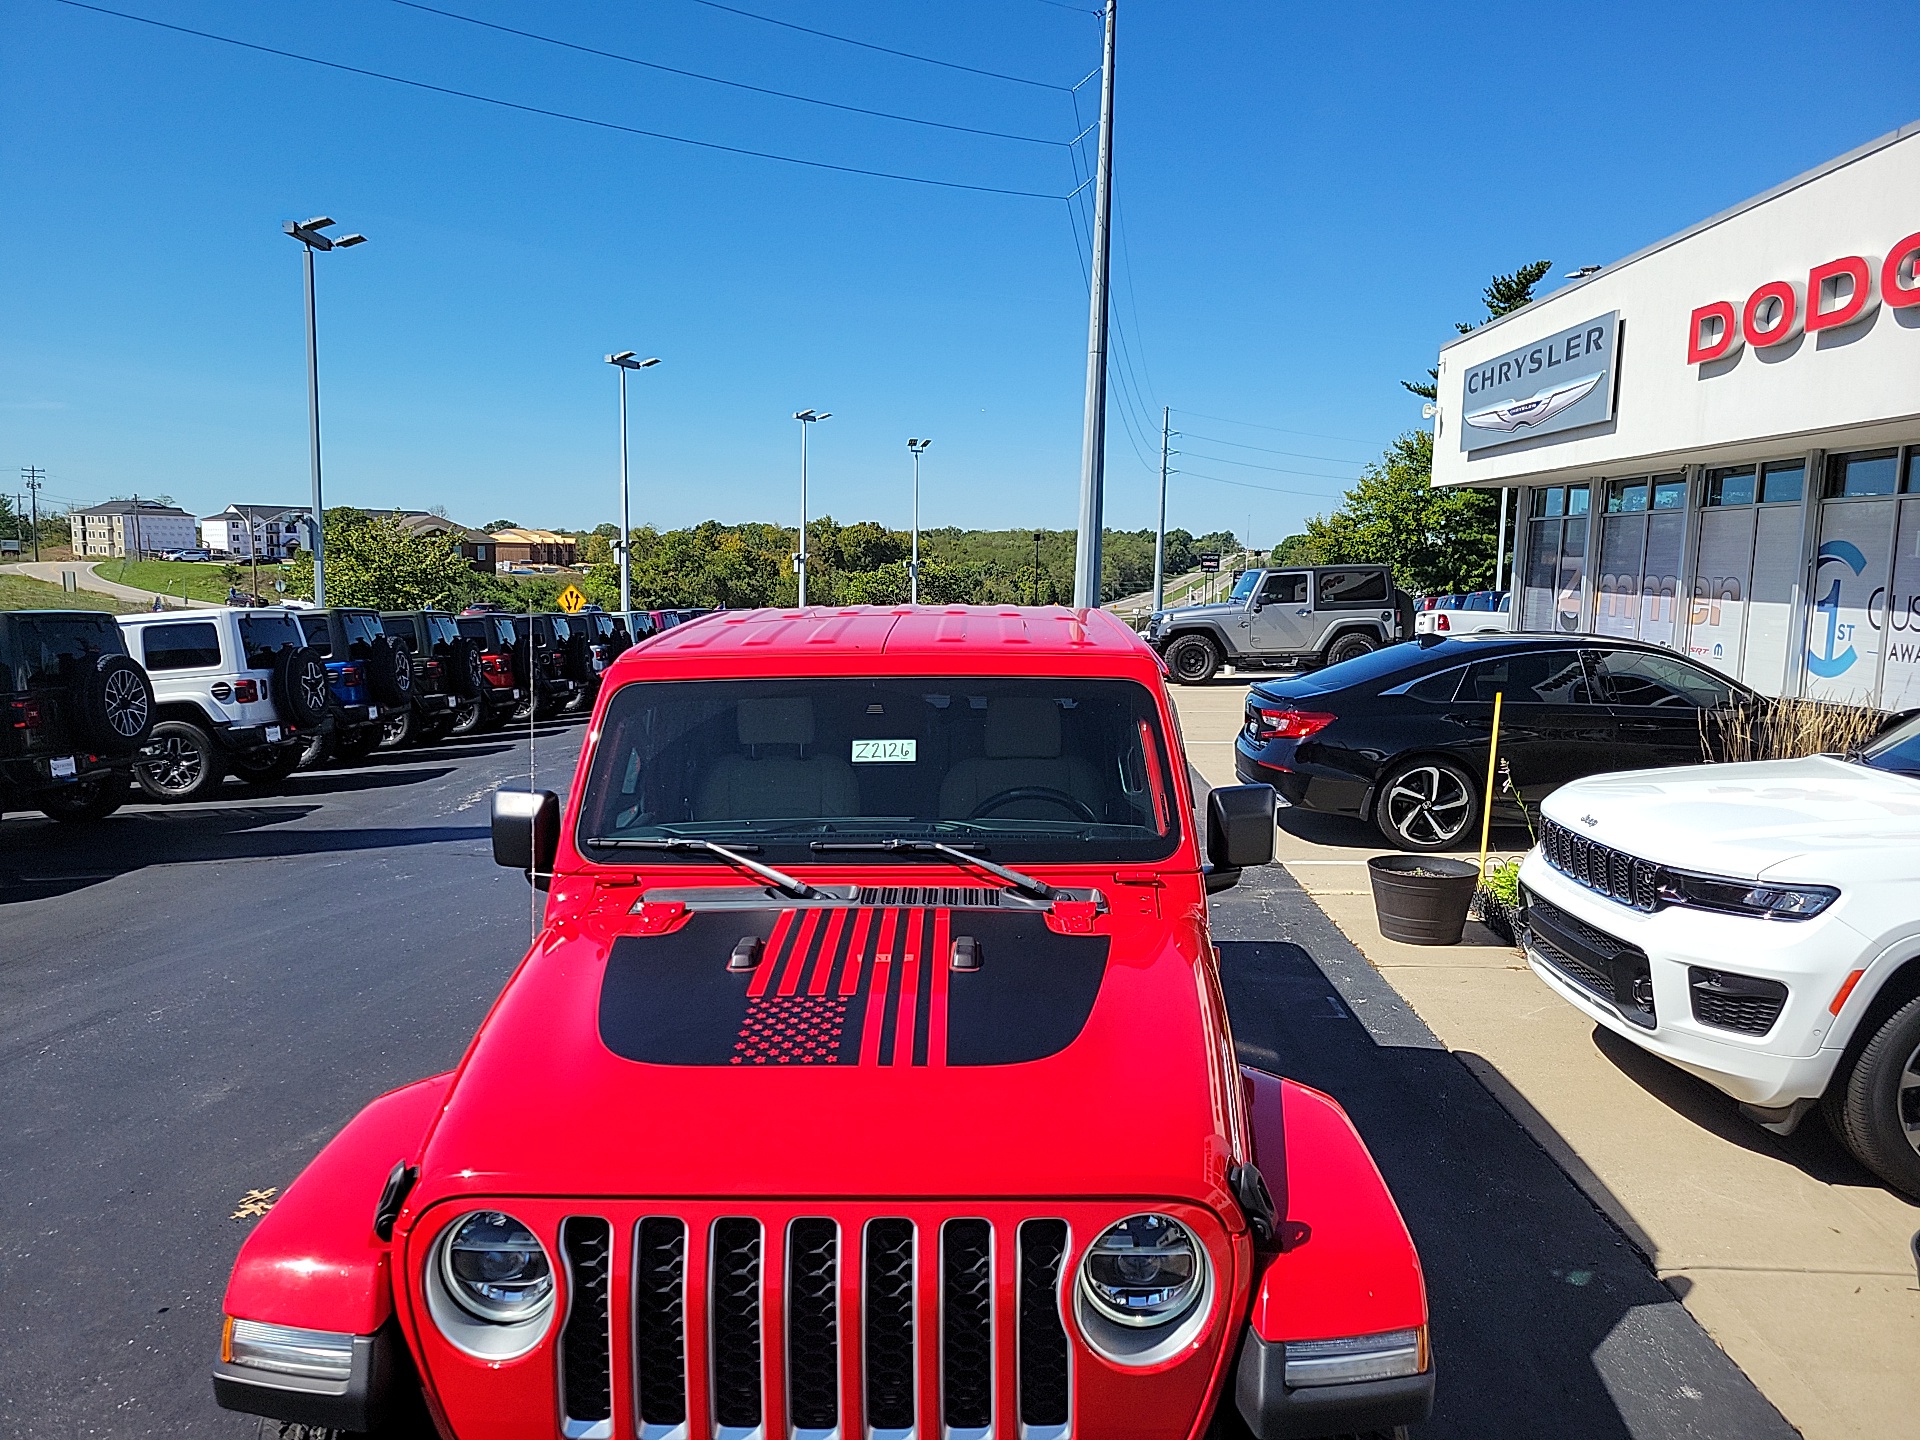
[806,418]
[918,448]
[1093,440]
[307,232]
[1036,567]
[624,362]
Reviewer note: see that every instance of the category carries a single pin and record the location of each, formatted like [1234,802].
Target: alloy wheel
[178,767]
[126,704]
[1907,1099]
[314,685]
[1428,805]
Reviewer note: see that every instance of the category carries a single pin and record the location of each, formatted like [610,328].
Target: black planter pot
[1422,899]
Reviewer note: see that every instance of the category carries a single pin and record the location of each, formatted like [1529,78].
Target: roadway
[193,999]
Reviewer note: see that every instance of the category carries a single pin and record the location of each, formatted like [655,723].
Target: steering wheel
[1033,792]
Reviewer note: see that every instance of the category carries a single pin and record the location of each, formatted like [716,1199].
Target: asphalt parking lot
[193,999]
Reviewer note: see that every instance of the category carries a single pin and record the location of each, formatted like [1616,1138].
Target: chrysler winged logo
[1535,409]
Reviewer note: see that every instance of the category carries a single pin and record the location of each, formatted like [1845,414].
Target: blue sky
[1309,196]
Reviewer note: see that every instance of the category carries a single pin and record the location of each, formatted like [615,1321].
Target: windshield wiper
[1025,884]
[779,879]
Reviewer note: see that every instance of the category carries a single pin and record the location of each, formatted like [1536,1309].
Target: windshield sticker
[884,752]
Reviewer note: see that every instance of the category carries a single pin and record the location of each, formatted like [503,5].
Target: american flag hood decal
[850,986]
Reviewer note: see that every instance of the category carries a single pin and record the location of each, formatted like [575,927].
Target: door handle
[1642,727]
[1303,612]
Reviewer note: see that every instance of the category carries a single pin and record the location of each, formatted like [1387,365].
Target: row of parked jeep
[93,704]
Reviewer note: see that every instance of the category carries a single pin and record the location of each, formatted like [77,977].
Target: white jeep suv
[1757,925]
[234,690]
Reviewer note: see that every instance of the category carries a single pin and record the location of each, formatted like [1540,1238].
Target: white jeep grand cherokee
[1755,924]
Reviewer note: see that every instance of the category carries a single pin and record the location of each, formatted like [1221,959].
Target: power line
[562,114]
[1249,485]
[720,80]
[1277,429]
[1276,469]
[1268,450]
[882,49]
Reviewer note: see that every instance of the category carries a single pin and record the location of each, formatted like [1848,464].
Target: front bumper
[1772,1070]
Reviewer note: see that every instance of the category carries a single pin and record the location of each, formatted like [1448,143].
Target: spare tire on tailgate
[466,676]
[389,672]
[115,703]
[577,658]
[300,687]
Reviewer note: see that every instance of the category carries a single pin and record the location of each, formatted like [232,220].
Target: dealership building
[1714,444]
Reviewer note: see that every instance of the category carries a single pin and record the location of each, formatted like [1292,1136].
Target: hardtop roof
[943,636]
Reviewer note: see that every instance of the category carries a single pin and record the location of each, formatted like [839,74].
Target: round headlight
[1146,1270]
[496,1269]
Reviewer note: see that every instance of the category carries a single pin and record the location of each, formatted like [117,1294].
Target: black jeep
[551,661]
[74,711]
[447,675]
[370,679]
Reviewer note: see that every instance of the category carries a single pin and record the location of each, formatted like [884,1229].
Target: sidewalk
[83,576]
[1794,1259]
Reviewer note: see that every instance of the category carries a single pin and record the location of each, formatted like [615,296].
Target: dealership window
[1782,482]
[1553,597]
[1912,487]
[1741,608]
[1733,485]
[1862,472]
[1557,500]
[1638,585]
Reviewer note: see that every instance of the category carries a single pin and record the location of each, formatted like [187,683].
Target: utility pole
[806,418]
[1093,440]
[1036,567]
[33,475]
[918,447]
[1160,533]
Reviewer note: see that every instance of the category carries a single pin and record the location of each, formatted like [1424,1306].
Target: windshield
[1898,750]
[1243,587]
[1017,769]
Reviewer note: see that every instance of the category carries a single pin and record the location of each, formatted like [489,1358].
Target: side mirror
[526,831]
[1240,821]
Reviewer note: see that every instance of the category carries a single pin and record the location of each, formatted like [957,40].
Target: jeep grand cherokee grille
[1612,873]
[877,1266]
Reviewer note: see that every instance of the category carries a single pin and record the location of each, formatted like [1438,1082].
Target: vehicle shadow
[374,777]
[1350,833]
[41,859]
[1546,1320]
[1811,1148]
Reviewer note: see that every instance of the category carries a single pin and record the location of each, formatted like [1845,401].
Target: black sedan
[1399,737]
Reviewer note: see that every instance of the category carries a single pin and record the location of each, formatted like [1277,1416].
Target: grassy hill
[19,593]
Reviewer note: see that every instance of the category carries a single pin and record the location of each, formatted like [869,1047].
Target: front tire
[1875,1108]
[1426,805]
[1193,659]
[188,766]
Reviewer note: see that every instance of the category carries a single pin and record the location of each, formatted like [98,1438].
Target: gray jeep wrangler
[1293,618]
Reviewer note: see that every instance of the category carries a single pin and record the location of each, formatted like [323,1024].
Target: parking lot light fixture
[624,361]
[806,419]
[308,233]
[918,448]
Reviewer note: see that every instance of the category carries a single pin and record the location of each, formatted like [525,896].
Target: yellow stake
[1493,755]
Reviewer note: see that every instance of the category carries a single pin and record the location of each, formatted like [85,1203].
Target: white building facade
[270,532]
[1715,444]
[118,529]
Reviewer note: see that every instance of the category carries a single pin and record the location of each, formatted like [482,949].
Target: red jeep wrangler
[870,1078]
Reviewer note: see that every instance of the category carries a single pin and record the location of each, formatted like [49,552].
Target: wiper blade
[779,879]
[1025,884]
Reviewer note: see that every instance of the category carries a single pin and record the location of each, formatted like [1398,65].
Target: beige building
[119,529]
[535,547]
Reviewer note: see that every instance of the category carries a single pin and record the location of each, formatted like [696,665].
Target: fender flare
[1341,1264]
[314,1260]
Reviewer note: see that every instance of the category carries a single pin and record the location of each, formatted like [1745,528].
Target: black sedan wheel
[1193,659]
[1426,805]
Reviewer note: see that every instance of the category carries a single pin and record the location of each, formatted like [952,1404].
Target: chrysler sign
[1555,384]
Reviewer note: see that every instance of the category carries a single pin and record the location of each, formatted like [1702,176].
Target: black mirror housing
[526,830]
[1240,826]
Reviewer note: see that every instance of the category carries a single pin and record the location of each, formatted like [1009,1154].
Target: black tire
[397,729]
[466,677]
[580,702]
[1193,659]
[389,672]
[1875,1107]
[520,657]
[315,751]
[352,746]
[86,801]
[549,706]
[116,704]
[1427,804]
[1350,646]
[188,766]
[469,719]
[270,769]
[300,688]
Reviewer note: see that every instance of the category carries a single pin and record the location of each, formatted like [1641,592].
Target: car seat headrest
[787,721]
[1022,727]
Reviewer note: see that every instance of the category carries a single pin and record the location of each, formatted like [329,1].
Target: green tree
[493,527]
[1504,294]
[1436,541]
[377,562]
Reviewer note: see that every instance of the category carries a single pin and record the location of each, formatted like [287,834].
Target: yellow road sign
[572,601]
